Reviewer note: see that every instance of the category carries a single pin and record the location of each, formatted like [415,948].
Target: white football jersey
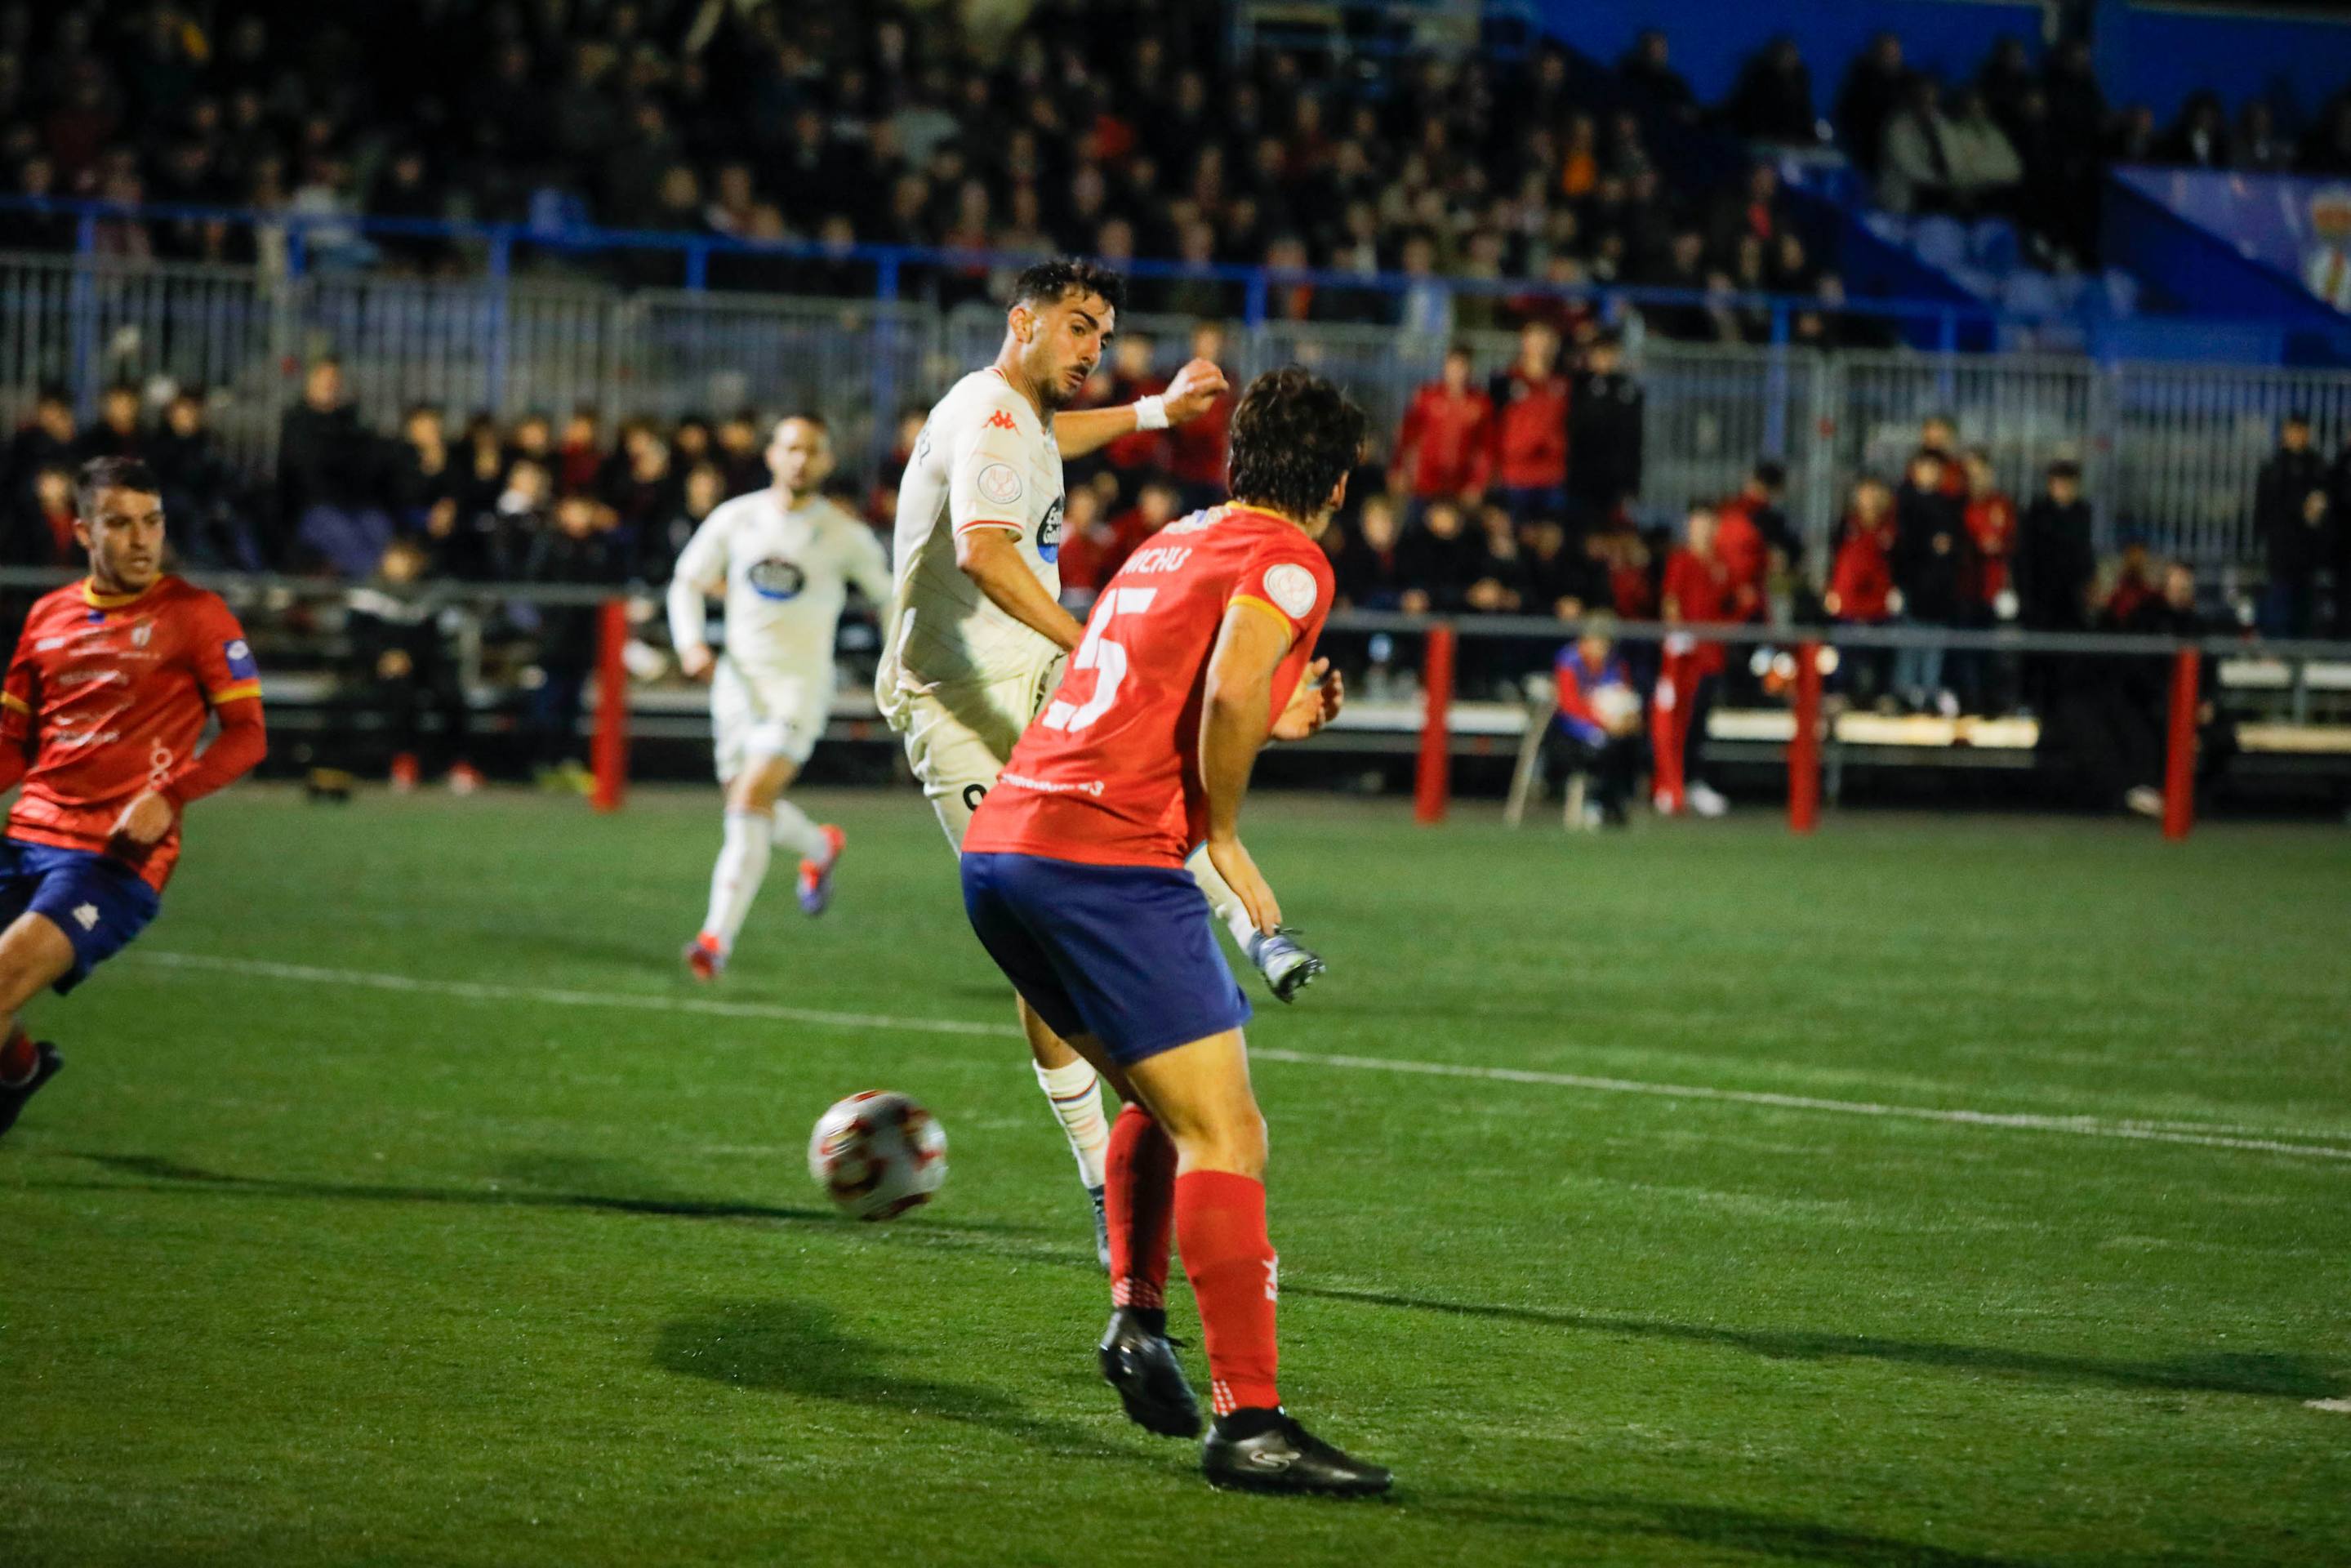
[785,574]
[985,460]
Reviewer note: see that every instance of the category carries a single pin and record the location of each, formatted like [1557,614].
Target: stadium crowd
[1086,129]
[2013,139]
[1089,129]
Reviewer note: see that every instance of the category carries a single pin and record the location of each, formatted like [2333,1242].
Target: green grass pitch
[1934,1191]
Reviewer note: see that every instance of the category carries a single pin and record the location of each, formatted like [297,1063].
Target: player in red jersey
[114,681]
[1198,650]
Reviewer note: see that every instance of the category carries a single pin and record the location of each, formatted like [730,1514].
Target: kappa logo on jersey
[775,578]
[998,483]
[1000,420]
[1049,534]
[1292,588]
[239,654]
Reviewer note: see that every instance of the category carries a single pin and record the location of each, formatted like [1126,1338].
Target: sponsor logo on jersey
[1048,533]
[1292,587]
[999,483]
[1000,420]
[86,677]
[239,655]
[1022,781]
[775,578]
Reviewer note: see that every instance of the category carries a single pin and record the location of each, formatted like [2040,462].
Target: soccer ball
[1612,703]
[878,1155]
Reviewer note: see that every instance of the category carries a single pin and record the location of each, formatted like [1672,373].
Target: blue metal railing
[893,264]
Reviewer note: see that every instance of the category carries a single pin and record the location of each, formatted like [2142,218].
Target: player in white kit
[783,559]
[975,634]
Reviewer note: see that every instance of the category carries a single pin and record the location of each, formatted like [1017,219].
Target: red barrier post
[2179,756]
[608,748]
[1804,745]
[1434,780]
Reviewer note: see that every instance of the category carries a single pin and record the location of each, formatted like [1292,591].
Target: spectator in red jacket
[1197,450]
[1743,540]
[1154,510]
[1087,540]
[1131,378]
[1530,428]
[1861,585]
[2130,589]
[1991,520]
[1986,682]
[1697,590]
[1938,435]
[1445,448]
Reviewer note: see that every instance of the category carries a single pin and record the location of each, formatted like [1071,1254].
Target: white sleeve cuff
[1150,413]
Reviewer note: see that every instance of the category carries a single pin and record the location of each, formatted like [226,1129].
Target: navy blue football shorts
[1126,953]
[100,902]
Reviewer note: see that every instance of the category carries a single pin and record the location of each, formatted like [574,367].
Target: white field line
[2320,1146]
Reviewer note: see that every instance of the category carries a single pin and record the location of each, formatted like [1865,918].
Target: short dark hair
[110,474]
[2065,468]
[815,421]
[1294,435]
[1771,476]
[1050,282]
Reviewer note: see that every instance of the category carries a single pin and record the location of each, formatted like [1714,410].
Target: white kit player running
[977,635]
[784,559]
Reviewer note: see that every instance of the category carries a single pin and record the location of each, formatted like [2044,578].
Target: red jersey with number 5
[1110,773]
[109,694]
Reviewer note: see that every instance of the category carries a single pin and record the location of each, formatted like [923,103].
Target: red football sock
[19,1059]
[1139,1180]
[1220,1225]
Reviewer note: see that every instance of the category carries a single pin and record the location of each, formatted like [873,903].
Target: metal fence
[2169,449]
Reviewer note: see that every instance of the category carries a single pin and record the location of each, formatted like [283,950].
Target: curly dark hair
[1294,435]
[111,473]
[1050,282]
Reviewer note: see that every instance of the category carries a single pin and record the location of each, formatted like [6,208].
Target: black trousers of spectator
[553,720]
[2106,731]
[1612,764]
[430,689]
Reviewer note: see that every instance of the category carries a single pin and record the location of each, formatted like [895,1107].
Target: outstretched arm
[1194,390]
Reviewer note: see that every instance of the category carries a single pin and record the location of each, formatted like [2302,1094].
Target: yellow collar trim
[97,600]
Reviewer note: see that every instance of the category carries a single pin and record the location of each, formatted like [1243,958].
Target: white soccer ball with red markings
[878,1155]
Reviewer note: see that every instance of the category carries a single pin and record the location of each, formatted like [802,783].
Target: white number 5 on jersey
[1105,658]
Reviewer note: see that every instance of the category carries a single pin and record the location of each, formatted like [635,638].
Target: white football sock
[1076,1095]
[1221,898]
[795,832]
[741,866]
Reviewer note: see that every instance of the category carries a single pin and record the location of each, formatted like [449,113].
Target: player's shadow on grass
[159,1175]
[2213,1372]
[797,1347]
[1699,1524]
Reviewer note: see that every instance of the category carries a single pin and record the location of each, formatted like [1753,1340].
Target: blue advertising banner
[2298,223]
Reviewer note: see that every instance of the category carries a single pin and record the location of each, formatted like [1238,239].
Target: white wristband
[1150,413]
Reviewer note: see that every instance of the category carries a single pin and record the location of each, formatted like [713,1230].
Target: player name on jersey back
[1110,773]
[984,459]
